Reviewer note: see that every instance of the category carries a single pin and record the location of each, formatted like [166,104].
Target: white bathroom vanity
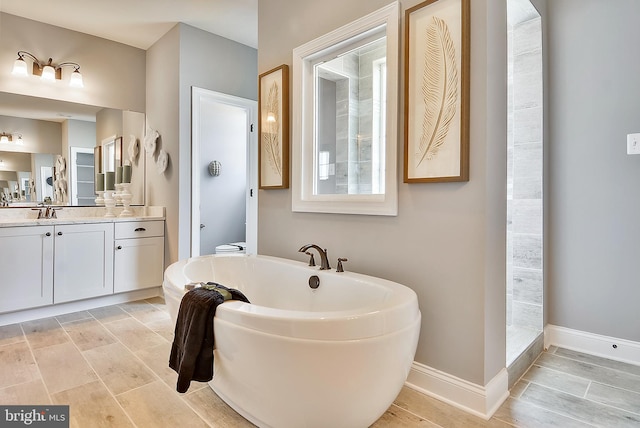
[77,261]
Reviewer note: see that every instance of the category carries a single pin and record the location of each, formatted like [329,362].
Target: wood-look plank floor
[110,365]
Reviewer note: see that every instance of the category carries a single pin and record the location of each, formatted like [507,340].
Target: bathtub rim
[400,310]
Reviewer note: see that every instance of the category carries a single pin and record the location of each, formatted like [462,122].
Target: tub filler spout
[324,260]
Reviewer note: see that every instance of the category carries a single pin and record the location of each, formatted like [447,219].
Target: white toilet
[233,247]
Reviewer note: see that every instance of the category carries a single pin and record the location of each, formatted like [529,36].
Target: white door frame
[251,106]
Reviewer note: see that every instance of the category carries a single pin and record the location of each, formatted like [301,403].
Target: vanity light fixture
[47,70]
[8,138]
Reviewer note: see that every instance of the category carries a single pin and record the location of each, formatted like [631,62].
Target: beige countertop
[76,215]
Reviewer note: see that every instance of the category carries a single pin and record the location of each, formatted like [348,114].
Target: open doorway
[223,172]
[524,183]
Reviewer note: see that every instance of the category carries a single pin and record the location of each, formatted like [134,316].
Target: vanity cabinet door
[26,267]
[83,266]
[138,264]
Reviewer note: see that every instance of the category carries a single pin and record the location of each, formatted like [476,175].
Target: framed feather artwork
[273,128]
[436,122]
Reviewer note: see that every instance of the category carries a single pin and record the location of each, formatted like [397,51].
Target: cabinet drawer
[139,229]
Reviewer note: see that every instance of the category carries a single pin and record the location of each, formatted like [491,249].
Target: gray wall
[81,134]
[16,161]
[39,136]
[108,124]
[183,58]
[163,91]
[448,240]
[594,204]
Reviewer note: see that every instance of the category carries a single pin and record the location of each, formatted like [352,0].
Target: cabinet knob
[140,229]
[59,233]
[47,234]
[119,247]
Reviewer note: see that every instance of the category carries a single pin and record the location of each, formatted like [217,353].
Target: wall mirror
[52,127]
[16,171]
[345,107]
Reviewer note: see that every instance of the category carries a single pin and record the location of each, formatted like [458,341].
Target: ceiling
[140,23]
[15,105]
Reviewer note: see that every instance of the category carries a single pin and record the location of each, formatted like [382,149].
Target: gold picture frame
[273,128]
[436,122]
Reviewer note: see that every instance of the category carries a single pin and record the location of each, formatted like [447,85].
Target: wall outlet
[633,144]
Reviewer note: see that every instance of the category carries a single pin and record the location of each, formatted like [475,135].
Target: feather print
[439,89]
[270,137]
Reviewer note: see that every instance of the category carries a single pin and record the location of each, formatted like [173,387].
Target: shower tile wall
[347,108]
[343,110]
[363,144]
[353,90]
[350,80]
[524,177]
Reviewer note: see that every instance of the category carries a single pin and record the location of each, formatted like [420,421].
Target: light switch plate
[633,144]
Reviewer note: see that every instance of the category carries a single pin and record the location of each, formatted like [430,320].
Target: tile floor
[110,366]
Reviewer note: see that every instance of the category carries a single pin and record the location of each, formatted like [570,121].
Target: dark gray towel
[193,341]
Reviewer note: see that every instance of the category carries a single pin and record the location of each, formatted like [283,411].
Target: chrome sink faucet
[324,260]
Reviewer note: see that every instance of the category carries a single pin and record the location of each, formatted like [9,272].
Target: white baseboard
[81,305]
[481,401]
[612,348]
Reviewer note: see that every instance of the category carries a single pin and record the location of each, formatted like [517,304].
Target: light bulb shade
[76,80]
[19,140]
[48,73]
[20,67]
[4,139]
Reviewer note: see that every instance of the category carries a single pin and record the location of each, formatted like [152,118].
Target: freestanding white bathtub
[334,356]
